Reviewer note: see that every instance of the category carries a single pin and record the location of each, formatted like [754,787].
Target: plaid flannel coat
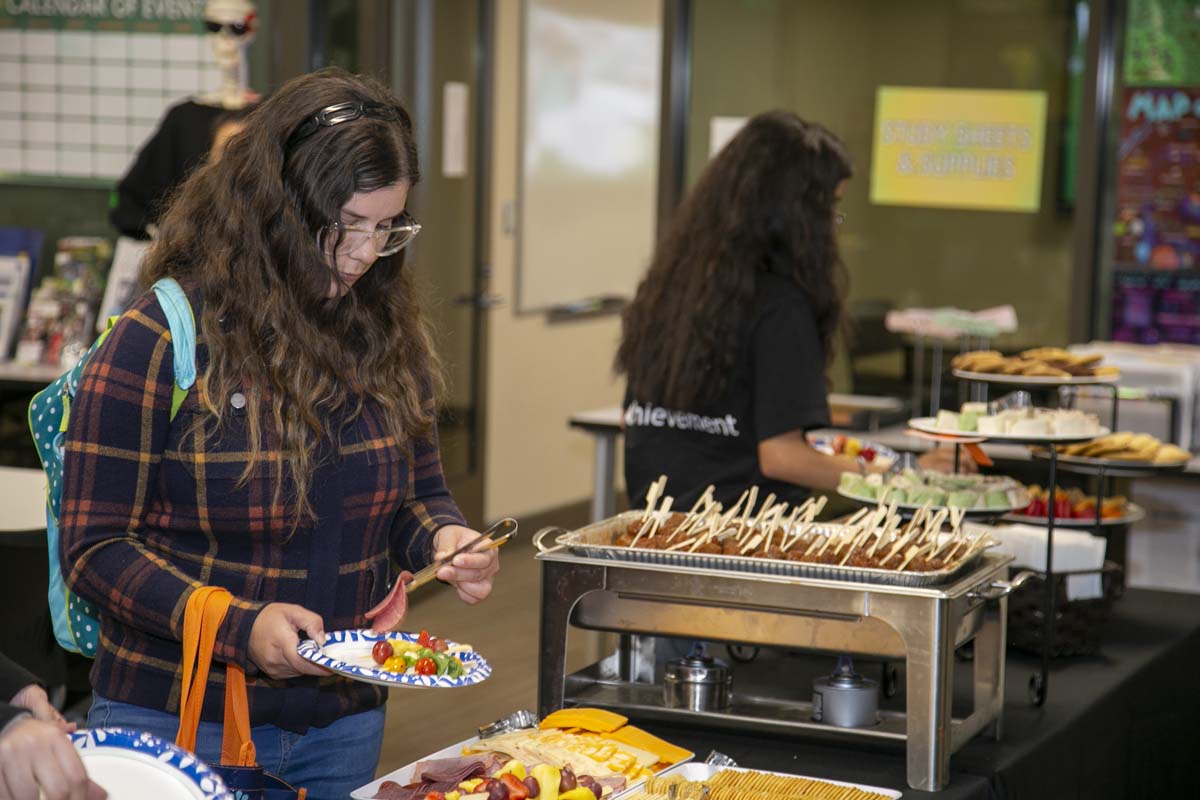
[152,510]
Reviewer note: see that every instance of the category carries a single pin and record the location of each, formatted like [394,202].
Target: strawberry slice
[387,614]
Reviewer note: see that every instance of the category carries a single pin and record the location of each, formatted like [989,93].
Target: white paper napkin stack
[1073,550]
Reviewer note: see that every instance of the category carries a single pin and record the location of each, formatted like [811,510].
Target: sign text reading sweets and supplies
[958,148]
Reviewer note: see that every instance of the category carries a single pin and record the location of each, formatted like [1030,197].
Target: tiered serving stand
[979,384]
[1067,390]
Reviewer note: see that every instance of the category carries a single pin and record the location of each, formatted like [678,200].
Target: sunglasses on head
[337,114]
[236,28]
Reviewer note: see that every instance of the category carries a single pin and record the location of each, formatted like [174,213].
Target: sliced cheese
[589,719]
[636,737]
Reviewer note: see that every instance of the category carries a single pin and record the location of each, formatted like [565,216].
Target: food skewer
[784,542]
[750,502]
[691,516]
[858,540]
[916,551]
[655,521]
[652,494]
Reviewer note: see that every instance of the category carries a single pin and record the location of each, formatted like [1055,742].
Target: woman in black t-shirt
[726,344]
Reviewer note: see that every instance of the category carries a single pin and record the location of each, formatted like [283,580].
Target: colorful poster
[1158,179]
[1162,43]
[958,148]
[1154,307]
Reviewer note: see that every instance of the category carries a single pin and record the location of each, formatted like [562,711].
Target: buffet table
[604,425]
[1118,725]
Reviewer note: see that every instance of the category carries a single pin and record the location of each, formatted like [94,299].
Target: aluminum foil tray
[596,541]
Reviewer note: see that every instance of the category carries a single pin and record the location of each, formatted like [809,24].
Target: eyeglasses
[839,217]
[388,241]
[236,28]
[338,113]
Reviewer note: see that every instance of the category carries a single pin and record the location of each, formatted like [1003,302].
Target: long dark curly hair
[764,204]
[246,228]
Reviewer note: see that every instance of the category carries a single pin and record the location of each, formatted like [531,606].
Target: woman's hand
[273,640]
[941,458]
[470,573]
[33,699]
[37,761]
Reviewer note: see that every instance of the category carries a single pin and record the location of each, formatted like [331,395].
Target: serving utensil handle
[997,589]
[543,533]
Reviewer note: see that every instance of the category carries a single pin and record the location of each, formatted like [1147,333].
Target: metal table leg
[928,750]
[935,379]
[562,586]
[1039,682]
[918,373]
[604,498]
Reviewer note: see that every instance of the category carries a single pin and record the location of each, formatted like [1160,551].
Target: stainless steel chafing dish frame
[595,541]
[921,624]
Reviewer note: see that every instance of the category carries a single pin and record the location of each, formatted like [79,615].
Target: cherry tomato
[424,639]
[868,454]
[435,796]
[382,651]
[425,666]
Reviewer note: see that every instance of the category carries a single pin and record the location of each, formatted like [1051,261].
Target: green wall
[824,60]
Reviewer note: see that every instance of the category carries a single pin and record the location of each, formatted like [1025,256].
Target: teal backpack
[75,623]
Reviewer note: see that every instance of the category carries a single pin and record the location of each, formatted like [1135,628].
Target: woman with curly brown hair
[305,459]
[726,345]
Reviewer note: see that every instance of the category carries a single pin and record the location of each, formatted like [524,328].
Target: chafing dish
[585,586]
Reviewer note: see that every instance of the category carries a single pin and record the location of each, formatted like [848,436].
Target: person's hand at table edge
[941,458]
[33,698]
[37,760]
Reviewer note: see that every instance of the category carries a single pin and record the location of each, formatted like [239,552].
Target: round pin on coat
[238,400]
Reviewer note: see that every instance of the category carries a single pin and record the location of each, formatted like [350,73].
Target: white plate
[1133,513]
[131,765]
[972,513]
[1035,380]
[926,425]
[698,771]
[348,653]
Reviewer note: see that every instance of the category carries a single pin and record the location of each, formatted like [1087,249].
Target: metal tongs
[516,721]
[495,536]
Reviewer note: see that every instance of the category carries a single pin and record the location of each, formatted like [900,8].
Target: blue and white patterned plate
[348,653]
[823,443]
[131,764]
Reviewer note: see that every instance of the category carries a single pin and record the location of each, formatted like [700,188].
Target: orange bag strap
[202,617]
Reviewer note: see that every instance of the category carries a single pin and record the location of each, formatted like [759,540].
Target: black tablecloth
[1122,724]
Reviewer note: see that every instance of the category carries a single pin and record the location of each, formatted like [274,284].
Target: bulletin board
[81,91]
[590,118]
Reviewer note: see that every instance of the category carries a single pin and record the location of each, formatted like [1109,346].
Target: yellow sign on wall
[958,148]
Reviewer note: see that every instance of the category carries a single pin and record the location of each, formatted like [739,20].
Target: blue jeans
[329,762]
